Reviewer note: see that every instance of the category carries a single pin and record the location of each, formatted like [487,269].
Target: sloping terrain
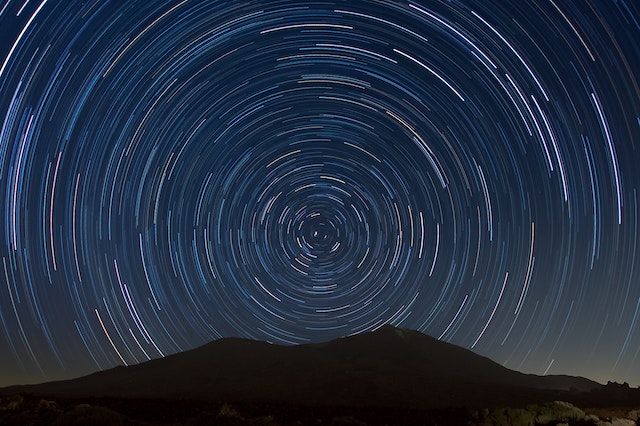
[389,367]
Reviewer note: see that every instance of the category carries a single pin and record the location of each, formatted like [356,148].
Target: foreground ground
[38,410]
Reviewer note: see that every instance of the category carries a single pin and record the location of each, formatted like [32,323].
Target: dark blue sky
[174,172]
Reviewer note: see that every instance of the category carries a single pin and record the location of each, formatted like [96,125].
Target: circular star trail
[176,172]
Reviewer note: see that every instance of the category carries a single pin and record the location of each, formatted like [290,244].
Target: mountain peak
[390,365]
[388,328]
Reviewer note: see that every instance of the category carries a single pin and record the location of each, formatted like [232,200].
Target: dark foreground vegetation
[36,410]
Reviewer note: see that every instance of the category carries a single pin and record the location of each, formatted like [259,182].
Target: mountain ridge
[389,366]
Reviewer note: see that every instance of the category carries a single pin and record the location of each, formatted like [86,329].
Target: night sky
[173,172]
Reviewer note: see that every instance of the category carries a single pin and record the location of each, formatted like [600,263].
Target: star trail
[174,172]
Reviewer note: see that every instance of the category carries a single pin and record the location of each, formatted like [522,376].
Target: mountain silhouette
[390,367]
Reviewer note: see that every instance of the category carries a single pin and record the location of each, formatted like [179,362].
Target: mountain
[390,367]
